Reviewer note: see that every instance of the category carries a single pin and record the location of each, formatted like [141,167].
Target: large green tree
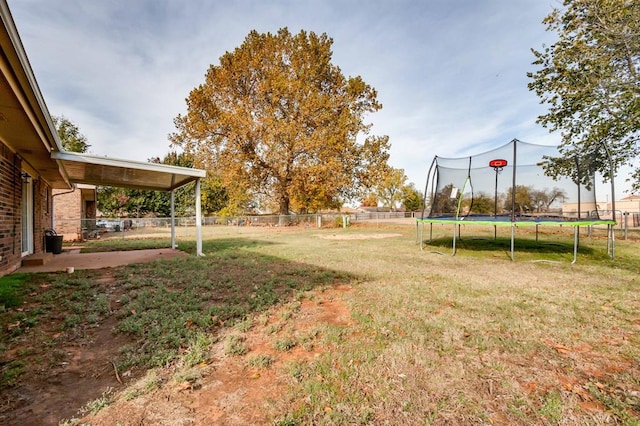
[138,203]
[213,195]
[412,199]
[280,121]
[445,202]
[69,134]
[127,202]
[389,188]
[524,202]
[483,203]
[590,81]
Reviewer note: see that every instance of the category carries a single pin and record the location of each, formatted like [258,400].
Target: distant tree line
[527,200]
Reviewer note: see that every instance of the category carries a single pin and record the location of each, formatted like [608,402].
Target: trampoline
[479,190]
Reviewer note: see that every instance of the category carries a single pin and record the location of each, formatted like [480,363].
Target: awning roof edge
[107,171]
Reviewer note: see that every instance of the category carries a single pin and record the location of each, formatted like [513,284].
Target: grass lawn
[430,338]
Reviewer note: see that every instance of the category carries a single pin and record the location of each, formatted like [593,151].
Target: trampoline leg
[453,253]
[513,232]
[575,244]
[611,237]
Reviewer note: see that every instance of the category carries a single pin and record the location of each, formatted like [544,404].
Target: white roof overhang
[106,171]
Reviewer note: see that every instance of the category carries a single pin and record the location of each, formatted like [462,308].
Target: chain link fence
[73,229]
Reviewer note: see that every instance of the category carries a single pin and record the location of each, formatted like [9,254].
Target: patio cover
[106,171]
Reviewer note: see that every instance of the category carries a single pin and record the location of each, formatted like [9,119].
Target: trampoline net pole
[513,233]
[513,187]
[576,232]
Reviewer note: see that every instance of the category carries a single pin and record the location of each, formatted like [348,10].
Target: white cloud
[451,75]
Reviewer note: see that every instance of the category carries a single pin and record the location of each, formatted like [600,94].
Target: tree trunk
[284,205]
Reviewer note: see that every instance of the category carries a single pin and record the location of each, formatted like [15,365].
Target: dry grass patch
[375,331]
[359,236]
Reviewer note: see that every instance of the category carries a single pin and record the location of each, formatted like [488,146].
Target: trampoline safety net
[482,186]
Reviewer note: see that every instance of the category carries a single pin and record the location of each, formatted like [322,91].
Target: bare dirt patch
[60,379]
[228,390]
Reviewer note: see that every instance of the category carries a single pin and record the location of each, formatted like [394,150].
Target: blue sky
[451,74]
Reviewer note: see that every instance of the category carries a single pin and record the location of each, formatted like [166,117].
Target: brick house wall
[74,210]
[67,206]
[11,211]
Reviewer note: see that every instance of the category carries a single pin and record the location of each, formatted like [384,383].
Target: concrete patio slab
[76,260]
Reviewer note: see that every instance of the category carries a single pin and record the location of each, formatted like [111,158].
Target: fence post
[626,225]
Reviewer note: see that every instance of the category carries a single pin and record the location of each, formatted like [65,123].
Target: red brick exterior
[11,211]
[74,210]
[67,206]
[10,215]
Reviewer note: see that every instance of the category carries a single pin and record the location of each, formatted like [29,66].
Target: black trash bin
[52,242]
